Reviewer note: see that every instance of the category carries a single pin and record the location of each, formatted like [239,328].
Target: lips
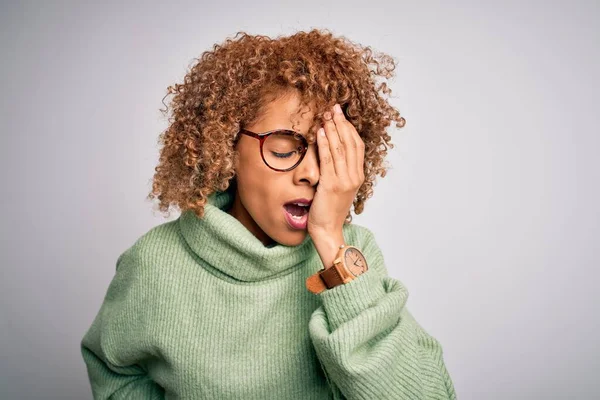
[296,212]
[300,201]
[298,207]
[296,222]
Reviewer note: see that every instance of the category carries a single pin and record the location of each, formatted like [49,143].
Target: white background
[489,214]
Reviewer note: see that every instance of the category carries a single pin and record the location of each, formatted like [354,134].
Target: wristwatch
[349,263]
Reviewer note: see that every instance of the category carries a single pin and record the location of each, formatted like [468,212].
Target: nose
[308,170]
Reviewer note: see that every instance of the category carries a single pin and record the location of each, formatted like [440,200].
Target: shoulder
[150,248]
[140,269]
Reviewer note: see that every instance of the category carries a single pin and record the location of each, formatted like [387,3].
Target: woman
[262,288]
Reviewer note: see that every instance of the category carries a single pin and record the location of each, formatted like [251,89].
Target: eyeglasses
[281,149]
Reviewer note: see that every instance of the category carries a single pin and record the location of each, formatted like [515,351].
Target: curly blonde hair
[228,89]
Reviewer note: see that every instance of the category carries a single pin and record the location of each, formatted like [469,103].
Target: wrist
[327,245]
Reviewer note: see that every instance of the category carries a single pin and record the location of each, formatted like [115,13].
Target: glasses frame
[263,136]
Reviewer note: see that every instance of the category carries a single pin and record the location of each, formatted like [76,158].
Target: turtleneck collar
[225,244]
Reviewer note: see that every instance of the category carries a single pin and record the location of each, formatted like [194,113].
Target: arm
[112,348]
[369,344]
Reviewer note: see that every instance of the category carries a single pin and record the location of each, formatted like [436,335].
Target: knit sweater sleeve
[369,344]
[113,348]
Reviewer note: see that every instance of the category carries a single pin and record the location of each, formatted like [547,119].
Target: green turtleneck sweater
[201,309]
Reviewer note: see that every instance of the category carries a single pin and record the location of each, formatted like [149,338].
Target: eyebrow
[285,129]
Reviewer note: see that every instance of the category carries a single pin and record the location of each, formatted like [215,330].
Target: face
[262,192]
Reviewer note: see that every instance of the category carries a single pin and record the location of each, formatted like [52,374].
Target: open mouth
[296,211]
[296,214]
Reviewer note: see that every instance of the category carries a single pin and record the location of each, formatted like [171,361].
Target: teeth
[301,204]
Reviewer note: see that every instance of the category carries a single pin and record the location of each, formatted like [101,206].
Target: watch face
[355,261]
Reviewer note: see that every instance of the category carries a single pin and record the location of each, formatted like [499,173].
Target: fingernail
[327,115]
[337,109]
[321,131]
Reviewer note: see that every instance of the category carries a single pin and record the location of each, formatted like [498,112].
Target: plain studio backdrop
[489,213]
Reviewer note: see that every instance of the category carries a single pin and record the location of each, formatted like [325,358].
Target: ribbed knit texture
[201,309]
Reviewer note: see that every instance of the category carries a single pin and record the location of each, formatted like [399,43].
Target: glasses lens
[283,151]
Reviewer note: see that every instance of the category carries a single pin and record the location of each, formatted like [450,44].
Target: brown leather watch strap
[315,284]
[337,274]
[324,279]
[331,277]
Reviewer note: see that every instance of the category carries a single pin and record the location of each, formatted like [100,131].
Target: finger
[325,160]
[361,158]
[346,134]
[336,148]
[360,154]
[360,149]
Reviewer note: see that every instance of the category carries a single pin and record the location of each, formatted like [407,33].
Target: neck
[231,251]
[239,212]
